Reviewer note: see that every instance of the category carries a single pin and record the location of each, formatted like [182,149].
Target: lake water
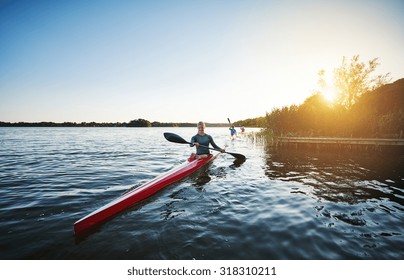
[278,204]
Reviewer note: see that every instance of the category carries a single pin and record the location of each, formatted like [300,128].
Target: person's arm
[214,144]
[193,140]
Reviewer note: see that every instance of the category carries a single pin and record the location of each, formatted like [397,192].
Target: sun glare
[328,88]
[330,94]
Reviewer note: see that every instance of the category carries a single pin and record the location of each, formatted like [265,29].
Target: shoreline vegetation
[365,106]
[375,114]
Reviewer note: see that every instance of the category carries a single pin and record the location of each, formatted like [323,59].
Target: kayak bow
[140,193]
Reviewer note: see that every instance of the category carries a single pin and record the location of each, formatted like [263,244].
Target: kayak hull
[142,192]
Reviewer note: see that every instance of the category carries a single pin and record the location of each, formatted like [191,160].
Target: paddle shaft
[238,156]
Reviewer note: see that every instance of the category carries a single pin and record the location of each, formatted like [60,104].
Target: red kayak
[144,191]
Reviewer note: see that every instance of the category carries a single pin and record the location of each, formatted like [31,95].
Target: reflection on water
[202,180]
[336,177]
[362,189]
[237,163]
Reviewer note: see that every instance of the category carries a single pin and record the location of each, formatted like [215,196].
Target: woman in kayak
[203,139]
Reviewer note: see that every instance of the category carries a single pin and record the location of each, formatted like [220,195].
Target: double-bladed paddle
[178,139]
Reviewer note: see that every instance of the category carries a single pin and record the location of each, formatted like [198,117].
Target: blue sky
[174,61]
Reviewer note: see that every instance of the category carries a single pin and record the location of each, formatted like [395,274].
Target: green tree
[139,123]
[353,78]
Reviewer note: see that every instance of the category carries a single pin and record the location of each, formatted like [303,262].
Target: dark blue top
[204,140]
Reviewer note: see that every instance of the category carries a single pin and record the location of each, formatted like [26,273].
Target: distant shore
[105,124]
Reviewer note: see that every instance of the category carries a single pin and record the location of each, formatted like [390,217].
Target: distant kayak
[142,192]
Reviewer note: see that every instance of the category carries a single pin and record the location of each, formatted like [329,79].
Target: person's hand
[222,150]
[196,144]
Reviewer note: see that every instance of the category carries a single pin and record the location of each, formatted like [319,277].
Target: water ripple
[276,205]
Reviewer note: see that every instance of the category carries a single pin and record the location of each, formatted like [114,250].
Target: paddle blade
[175,138]
[238,156]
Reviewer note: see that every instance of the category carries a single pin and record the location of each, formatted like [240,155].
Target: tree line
[133,123]
[63,124]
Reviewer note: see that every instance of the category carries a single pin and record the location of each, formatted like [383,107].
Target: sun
[330,94]
[329,89]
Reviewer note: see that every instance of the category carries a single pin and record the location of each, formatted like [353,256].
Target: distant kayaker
[233,132]
[203,139]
